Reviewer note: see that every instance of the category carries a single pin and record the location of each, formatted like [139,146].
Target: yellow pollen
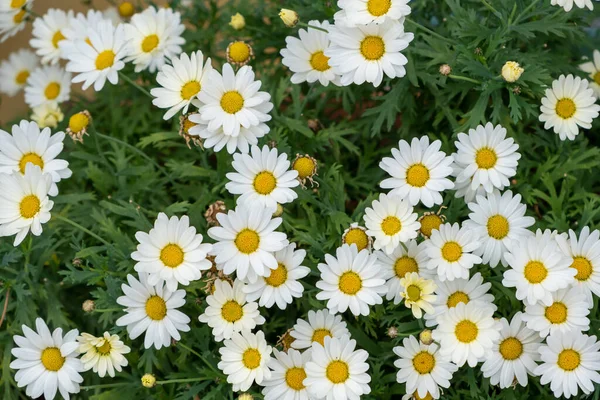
[106,59]
[597,78]
[21,77]
[172,255]
[358,237]
[417,175]
[319,61]
[232,311]
[251,358]
[30,158]
[156,308]
[264,183]
[413,292]
[58,36]
[466,331]
[337,371]
[511,348]
[239,52]
[391,225]
[457,297]
[78,122]
[569,359]
[305,167]
[17,3]
[350,283]
[247,241]
[427,396]
[424,362]
[451,251]
[105,348]
[190,90]
[535,272]
[149,43]
[429,223]
[232,102]
[52,90]
[88,41]
[378,8]
[187,125]
[565,108]
[126,9]
[319,336]
[294,378]
[404,265]
[29,206]
[497,227]
[556,313]
[18,17]
[278,276]
[583,267]
[52,359]
[486,158]
[372,48]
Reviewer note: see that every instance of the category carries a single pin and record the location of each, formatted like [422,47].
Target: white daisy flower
[321,324]
[467,333]
[102,354]
[287,376]
[423,368]
[337,371]
[244,360]
[567,313]
[24,203]
[181,83]
[451,293]
[418,293]
[47,34]
[12,22]
[537,268]
[15,71]
[29,145]
[449,250]
[154,37]
[350,281]
[401,262]
[390,220]
[568,4]
[153,310]
[305,56]
[262,178]
[567,105]
[172,251]
[570,362]
[229,311]
[282,286]
[232,100]
[418,171]
[246,241]
[7,6]
[364,12]
[366,53]
[47,84]
[593,69]
[585,256]
[47,362]
[498,221]
[513,355]
[218,139]
[77,30]
[463,188]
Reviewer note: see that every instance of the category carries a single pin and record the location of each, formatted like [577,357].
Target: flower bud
[278,211]
[425,337]
[289,17]
[237,22]
[445,69]
[512,71]
[148,380]
[392,332]
[126,9]
[88,306]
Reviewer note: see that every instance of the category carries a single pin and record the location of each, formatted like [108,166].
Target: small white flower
[364,12]
[47,84]
[15,71]
[102,354]
[47,115]
[12,22]
[568,5]
[418,293]
[463,188]
[321,324]
[287,376]
[8,6]
[78,31]
[593,69]
[47,34]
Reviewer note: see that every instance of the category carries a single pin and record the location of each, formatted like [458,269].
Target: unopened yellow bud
[148,380]
[512,71]
[289,17]
[237,22]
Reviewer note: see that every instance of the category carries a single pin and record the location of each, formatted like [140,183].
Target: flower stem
[101,310]
[304,24]
[201,378]
[85,230]
[491,8]
[464,78]
[132,83]
[100,152]
[437,35]
[105,385]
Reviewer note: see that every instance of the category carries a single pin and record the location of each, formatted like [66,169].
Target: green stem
[304,24]
[194,352]
[437,35]
[132,83]
[526,10]
[491,8]
[202,378]
[32,13]
[464,78]
[105,385]
[100,152]
[81,228]
[101,310]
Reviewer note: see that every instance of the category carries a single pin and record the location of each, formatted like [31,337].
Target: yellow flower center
[597,78]
[251,358]
[232,311]
[232,102]
[58,36]
[30,158]
[424,362]
[52,359]
[21,77]
[17,3]
[569,359]
[556,313]
[417,175]
[149,43]
[486,158]
[451,251]
[429,223]
[511,348]
[78,122]
[29,206]
[413,292]
[319,61]
[239,52]
[294,378]
[457,297]
[427,396]
[18,18]
[497,227]
[466,331]
[319,336]
[305,167]
[106,59]
[190,90]
[247,241]
[391,225]
[264,183]
[156,308]
[583,267]
[187,125]
[52,90]
[378,8]
[337,371]
[372,48]
[404,265]
[126,9]
[565,108]
[105,348]
[278,276]
[172,255]
[350,283]
[358,237]
[535,272]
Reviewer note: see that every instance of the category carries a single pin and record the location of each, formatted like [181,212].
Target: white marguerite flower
[391,221]
[47,362]
[514,354]
[24,203]
[233,100]
[305,56]
[153,38]
[282,286]
[287,376]
[229,311]
[567,313]
[12,22]
[181,83]
[47,84]
[153,310]
[367,53]
[16,69]
[350,280]
[568,4]
[103,354]
[47,115]
[78,31]
[29,145]
[337,371]
[537,268]
[463,188]
[246,241]
[7,6]
[418,293]
[419,171]
[47,34]
[263,178]
[321,324]
[498,220]
[423,368]
[244,360]
[364,12]
[570,362]
[568,105]
[172,251]
[467,333]
[450,251]
[592,67]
